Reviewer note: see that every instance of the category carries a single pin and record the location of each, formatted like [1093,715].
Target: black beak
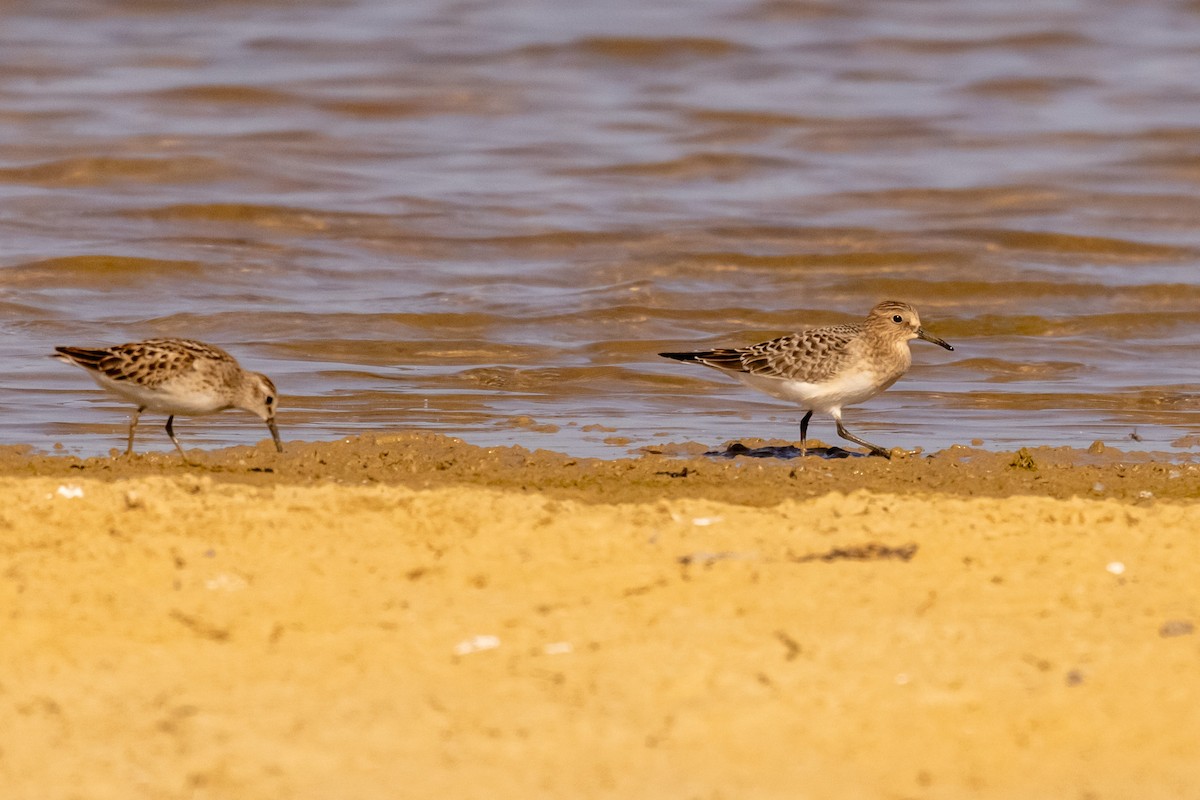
[929,337]
[275,434]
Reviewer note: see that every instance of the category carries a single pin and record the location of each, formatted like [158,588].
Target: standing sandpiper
[823,369]
[177,376]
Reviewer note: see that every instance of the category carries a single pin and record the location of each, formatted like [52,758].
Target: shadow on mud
[783,453]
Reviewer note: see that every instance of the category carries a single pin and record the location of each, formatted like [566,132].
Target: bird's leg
[874,448]
[171,433]
[133,421]
[804,434]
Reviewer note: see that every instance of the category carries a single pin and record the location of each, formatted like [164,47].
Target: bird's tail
[83,356]
[684,356]
[724,359]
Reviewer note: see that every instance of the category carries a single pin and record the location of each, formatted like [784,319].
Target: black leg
[171,433]
[804,434]
[133,426]
[874,448]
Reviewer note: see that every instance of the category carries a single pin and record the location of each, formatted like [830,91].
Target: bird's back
[810,356]
[148,363]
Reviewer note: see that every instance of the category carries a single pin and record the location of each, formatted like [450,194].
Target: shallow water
[487,218]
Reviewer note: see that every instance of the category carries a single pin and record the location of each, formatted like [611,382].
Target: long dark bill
[275,434]
[929,337]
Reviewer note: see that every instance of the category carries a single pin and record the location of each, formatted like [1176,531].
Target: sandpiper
[824,369]
[177,376]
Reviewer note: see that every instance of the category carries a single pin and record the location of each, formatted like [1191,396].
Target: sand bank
[414,617]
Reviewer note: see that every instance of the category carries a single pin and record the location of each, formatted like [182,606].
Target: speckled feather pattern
[811,356]
[153,362]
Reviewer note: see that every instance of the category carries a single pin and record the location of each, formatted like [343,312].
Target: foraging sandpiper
[177,376]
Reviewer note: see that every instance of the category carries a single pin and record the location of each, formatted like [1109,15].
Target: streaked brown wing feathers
[148,362]
[811,356]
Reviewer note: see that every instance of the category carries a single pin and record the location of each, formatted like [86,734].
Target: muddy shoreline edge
[426,460]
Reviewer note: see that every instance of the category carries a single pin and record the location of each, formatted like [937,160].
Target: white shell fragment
[476,644]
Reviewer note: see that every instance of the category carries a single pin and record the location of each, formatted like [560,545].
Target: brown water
[453,215]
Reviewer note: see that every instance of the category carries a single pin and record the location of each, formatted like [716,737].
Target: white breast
[846,389]
[171,397]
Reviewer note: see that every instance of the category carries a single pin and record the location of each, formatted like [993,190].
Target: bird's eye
[897,319]
[270,401]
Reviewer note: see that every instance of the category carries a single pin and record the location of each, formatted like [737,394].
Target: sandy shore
[409,616]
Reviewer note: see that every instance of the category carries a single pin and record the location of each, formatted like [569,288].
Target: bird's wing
[147,363]
[811,356]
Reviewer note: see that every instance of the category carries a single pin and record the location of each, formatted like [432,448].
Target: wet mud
[746,472]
